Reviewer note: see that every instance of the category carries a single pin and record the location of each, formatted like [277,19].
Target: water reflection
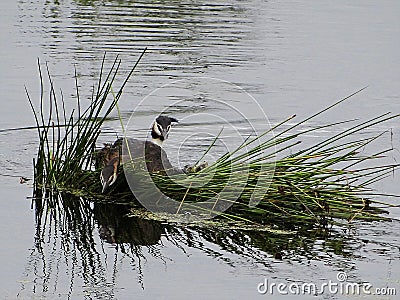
[83,244]
[115,227]
[161,26]
[184,38]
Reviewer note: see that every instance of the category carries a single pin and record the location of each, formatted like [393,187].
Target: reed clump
[67,141]
[324,183]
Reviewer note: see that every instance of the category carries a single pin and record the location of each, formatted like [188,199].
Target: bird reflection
[116,227]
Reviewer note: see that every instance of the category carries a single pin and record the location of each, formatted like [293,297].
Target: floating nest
[258,184]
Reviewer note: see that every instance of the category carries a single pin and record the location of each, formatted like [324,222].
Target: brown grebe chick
[109,156]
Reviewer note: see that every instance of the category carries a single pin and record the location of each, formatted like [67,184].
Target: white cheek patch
[113,179]
[156,129]
[160,128]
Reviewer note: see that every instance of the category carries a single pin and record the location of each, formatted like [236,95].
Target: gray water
[293,57]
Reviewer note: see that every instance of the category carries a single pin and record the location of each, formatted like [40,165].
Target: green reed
[67,141]
[326,181]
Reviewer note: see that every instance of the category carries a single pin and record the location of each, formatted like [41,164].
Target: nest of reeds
[319,184]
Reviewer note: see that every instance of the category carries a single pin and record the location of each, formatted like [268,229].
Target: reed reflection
[85,244]
[81,245]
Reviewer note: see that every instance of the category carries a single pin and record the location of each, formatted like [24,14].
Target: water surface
[293,58]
